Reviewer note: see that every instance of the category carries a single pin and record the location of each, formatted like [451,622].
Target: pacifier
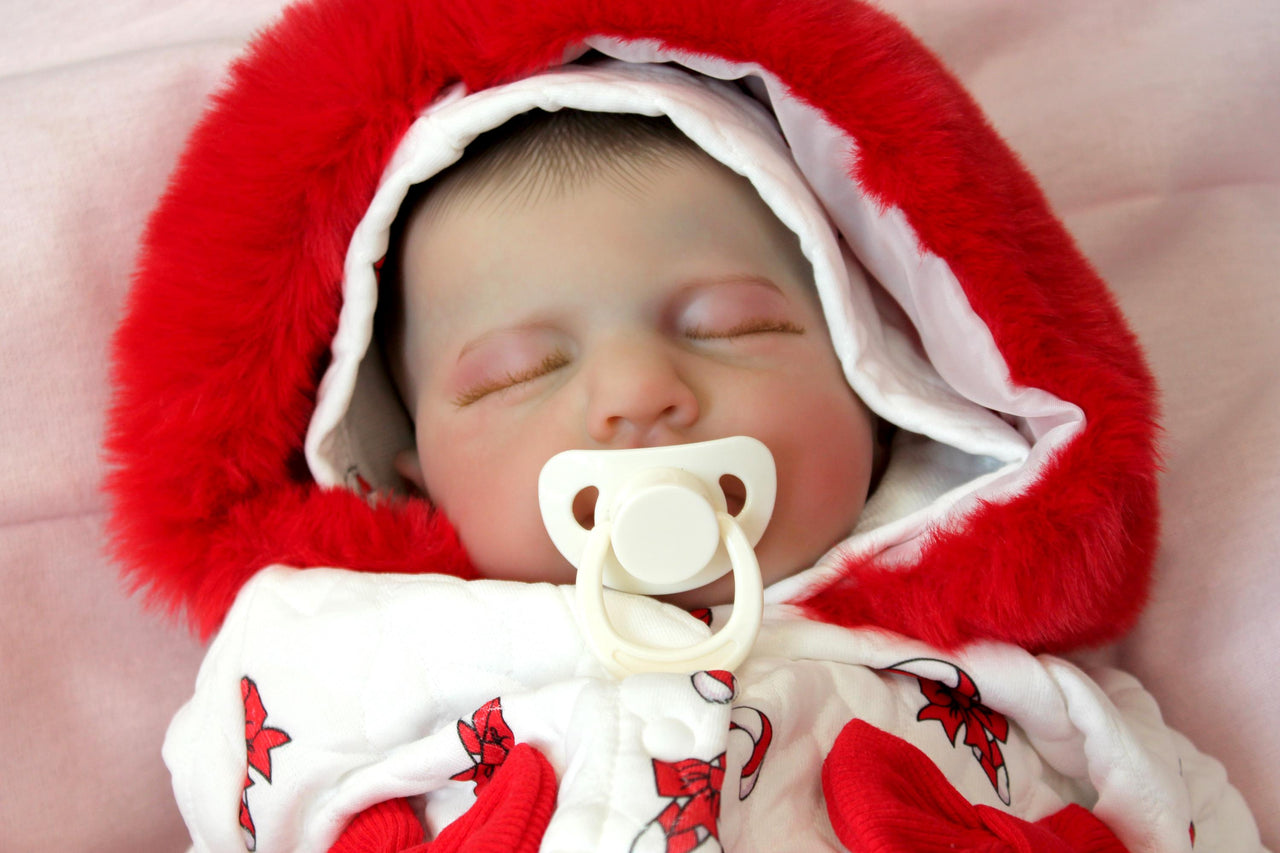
[661,524]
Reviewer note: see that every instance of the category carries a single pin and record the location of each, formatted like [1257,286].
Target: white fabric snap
[668,739]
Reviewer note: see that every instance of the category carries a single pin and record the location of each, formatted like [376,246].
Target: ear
[409,466]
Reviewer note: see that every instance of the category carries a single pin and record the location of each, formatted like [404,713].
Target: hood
[1019,504]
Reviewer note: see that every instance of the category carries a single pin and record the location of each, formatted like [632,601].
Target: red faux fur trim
[237,294]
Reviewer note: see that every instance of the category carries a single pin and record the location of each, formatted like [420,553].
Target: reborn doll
[396,690]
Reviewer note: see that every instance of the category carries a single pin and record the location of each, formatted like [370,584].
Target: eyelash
[553,361]
[749,327]
[556,360]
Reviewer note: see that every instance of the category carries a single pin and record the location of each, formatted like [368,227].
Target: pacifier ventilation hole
[584,507]
[735,493]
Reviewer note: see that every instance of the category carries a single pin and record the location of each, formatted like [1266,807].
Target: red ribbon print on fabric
[488,740]
[960,706]
[692,815]
[259,740]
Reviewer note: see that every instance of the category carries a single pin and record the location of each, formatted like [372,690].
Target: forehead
[486,255]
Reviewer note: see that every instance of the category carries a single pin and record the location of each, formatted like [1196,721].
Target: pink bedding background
[1154,129]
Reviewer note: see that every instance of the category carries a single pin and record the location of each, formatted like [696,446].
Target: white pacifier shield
[661,504]
[661,524]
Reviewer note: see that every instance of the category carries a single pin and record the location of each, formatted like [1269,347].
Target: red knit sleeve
[509,816]
[388,827]
[885,795]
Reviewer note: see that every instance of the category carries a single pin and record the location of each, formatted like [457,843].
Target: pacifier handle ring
[725,649]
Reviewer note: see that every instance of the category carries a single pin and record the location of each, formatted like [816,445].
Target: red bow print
[961,705]
[488,740]
[258,739]
[258,743]
[984,729]
[687,824]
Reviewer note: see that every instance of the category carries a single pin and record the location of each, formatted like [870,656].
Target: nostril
[735,493]
[584,507]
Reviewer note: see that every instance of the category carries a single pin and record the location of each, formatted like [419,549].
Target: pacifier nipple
[662,525]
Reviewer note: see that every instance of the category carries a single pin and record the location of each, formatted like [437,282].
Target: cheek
[466,488]
[823,442]
[464,477]
[485,481]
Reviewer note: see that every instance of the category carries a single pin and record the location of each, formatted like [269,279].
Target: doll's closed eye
[510,377]
[737,308]
[747,327]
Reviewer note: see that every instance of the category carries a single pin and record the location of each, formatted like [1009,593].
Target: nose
[638,396]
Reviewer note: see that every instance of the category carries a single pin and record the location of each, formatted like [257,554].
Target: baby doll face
[662,307]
